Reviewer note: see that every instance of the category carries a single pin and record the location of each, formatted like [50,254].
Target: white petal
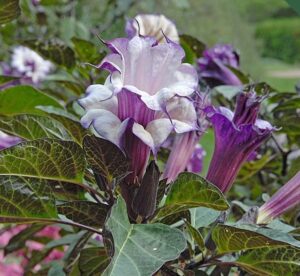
[262,124]
[159,129]
[99,96]
[139,131]
[105,123]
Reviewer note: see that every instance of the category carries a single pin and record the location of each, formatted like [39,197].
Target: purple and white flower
[213,66]
[237,135]
[195,164]
[155,25]
[144,99]
[29,65]
[286,198]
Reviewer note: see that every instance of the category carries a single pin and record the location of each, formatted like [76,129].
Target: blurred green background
[266,32]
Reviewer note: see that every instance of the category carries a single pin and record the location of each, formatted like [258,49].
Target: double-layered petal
[286,198]
[213,66]
[144,99]
[237,135]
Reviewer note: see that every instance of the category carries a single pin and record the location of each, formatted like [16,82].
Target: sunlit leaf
[12,100]
[144,248]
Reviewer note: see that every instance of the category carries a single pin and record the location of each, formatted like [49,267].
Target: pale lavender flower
[286,198]
[27,64]
[213,66]
[155,25]
[237,135]
[7,141]
[143,100]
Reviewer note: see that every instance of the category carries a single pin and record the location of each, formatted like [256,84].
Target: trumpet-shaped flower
[155,25]
[237,135]
[286,198]
[7,141]
[143,100]
[213,66]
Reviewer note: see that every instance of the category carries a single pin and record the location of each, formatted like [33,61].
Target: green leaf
[18,241]
[195,45]
[85,212]
[87,51]
[202,216]
[232,239]
[30,127]
[12,100]
[93,261]
[53,50]
[196,235]
[9,10]
[278,261]
[105,158]
[45,159]
[228,91]
[144,248]
[190,191]
[25,199]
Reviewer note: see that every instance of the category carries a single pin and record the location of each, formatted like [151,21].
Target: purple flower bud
[155,25]
[213,65]
[144,99]
[237,135]
[7,141]
[286,198]
[195,163]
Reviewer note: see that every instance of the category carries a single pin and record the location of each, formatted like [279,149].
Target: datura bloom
[286,198]
[213,66]
[28,64]
[144,99]
[237,135]
[155,25]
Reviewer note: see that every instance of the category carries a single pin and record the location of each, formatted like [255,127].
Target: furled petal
[139,131]
[99,97]
[112,63]
[105,123]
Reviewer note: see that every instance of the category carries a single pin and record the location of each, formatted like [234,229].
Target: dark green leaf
[12,100]
[53,50]
[25,199]
[271,261]
[196,235]
[18,241]
[144,248]
[196,46]
[85,212]
[44,158]
[161,191]
[105,158]
[87,51]
[190,191]
[232,239]
[93,261]
[9,10]
[30,127]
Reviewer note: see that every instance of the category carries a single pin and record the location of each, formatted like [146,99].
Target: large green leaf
[25,199]
[202,216]
[30,127]
[46,159]
[268,261]
[93,261]
[54,50]
[140,249]
[23,99]
[105,158]
[85,212]
[68,120]
[9,10]
[232,239]
[190,191]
